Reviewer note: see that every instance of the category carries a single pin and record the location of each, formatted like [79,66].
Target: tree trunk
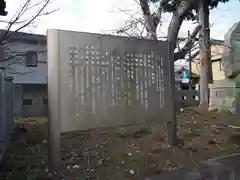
[174,26]
[204,42]
[173,30]
[188,44]
[207,41]
[151,29]
[176,22]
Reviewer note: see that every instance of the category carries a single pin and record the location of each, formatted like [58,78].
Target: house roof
[217,49]
[25,37]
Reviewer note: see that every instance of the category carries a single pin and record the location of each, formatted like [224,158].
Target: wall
[218,73]
[217,48]
[35,101]
[8,112]
[224,95]
[15,52]
[16,66]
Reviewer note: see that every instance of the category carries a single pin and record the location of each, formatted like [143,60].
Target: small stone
[131,171]
[103,133]
[129,154]
[100,161]
[180,145]
[212,141]
[75,166]
[214,126]
[193,149]
[217,132]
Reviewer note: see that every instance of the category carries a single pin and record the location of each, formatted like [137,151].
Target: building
[217,48]
[25,59]
[178,75]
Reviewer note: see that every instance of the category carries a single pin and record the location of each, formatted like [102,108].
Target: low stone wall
[224,96]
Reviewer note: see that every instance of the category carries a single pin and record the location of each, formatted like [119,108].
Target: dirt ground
[124,152]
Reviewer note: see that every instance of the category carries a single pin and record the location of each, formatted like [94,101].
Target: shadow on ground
[223,168]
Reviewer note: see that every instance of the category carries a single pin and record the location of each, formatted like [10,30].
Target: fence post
[9,104]
[3,125]
[17,101]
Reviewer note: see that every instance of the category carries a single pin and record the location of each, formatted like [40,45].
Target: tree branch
[188,44]
[17,18]
[176,22]
[148,20]
[34,17]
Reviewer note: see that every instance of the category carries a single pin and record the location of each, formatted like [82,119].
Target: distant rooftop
[25,37]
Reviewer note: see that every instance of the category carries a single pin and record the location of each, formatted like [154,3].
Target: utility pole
[190,65]
[205,60]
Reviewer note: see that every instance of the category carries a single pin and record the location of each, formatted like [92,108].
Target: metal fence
[9,110]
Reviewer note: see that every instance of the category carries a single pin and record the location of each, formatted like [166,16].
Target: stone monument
[224,94]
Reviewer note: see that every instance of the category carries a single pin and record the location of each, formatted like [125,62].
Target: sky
[104,16]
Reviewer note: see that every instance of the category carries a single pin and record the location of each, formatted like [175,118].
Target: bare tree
[21,20]
[181,10]
[146,26]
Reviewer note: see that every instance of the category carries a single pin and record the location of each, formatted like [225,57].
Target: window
[31,59]
[27,102]
[45,101]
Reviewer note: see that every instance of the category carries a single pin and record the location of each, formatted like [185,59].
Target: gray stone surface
[231,56]
[99,80]
[223,168]
[224,95]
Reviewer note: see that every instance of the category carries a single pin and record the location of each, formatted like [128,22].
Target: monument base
[225,96]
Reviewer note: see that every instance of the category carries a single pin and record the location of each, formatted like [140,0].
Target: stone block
[224,95]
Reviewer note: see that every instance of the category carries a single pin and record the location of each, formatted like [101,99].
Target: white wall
[16,67]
